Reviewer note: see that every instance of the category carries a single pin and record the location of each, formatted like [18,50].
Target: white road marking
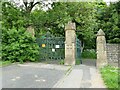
[35,76]
[13,79]
[43,80]
[37,80]
[17,77]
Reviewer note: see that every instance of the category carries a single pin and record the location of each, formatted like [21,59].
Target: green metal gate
[51,47]
[78,50]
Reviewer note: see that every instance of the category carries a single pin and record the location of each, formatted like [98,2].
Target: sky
[110,0]
[20,2]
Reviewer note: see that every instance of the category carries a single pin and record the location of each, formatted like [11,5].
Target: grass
[5,63]
[61,62]
[78,62]
[89,54]
[110,76]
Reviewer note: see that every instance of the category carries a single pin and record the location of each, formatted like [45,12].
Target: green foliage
[88,16]
[61,62]
[18,45]
[39,19]
[109,21]
[89,54]
[78,62]
[78,12]
[110,76]
[54,20]
[12,16]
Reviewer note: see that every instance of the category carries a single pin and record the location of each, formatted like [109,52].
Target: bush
[61,62]
[89,54]
[78,62]
[18,46]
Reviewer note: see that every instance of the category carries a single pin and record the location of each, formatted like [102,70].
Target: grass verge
[110,76]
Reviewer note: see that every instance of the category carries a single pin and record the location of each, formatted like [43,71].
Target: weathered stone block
[101,49]
[70,43]
[30,30]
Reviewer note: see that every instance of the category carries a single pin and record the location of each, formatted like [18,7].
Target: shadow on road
[89,62]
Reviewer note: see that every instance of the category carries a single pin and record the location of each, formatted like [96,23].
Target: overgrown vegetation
[61,62]
[108,19]
[89,17]
[18,46]
[110,76]
[78,62]
[89,54]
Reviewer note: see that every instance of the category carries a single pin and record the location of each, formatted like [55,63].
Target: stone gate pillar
[70,43]
[30,29]
[101,49]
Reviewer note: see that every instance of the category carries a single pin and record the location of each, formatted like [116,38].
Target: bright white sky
[50,1]
[110,0]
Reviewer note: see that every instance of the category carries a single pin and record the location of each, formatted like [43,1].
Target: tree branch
[25,4]
[36,3]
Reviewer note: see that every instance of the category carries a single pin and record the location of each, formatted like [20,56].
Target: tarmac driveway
[32,75]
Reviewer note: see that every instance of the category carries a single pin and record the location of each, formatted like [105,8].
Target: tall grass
[110,76]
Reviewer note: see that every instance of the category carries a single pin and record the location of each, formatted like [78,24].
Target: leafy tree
[109,21]
[88,16]
[11,16]
[82,13]
[18,45]
[54,20]
[29,5]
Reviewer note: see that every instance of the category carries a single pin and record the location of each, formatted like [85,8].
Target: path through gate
[56,48]
[51,47]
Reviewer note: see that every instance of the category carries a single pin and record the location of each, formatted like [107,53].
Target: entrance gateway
[51,47]
[66,48]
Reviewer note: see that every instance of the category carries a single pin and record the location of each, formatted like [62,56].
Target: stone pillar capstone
[70,43]
[101,49]
[30,30]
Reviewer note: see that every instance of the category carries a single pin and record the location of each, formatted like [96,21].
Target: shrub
[89,53]
[61,62]
[78,62]
[18,46]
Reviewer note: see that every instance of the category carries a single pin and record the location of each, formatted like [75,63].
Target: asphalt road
[31,76]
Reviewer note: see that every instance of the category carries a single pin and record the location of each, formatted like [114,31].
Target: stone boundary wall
[112,54]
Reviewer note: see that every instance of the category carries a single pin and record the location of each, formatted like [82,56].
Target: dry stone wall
[112,54]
